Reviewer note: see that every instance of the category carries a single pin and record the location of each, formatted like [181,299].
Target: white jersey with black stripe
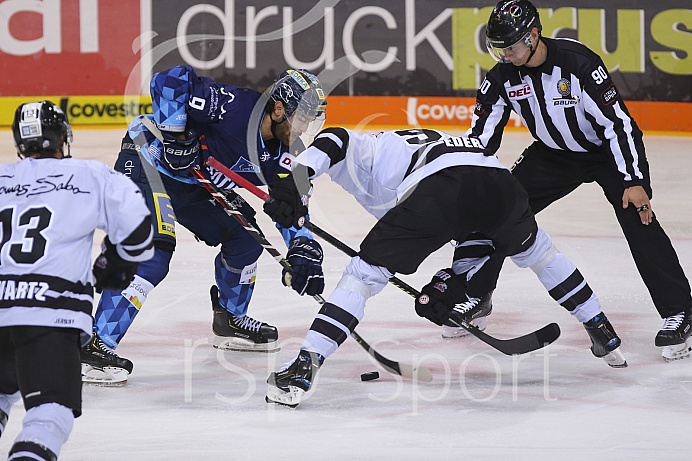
[380,170]
[569,103]
[49,210]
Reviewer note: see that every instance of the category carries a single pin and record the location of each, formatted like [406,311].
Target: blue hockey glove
[437,298]
[305,257]
[111,272]
[287,207]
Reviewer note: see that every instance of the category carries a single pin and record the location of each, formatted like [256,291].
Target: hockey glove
[181,154]
[111,272]
[305,257]
[287,207]
[437,298]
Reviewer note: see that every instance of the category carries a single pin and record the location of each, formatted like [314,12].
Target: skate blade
[615,359]
[226,343]
[458,332]
[104,376]
[289,399]
[677,351]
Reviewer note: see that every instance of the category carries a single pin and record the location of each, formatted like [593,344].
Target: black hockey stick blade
[522,344]
[418,372]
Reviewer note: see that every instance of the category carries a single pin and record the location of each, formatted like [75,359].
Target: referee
[583,133]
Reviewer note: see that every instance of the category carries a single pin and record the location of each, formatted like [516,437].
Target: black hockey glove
[287,207]
[180,155]
[111,272]
[305,257]
[437,298]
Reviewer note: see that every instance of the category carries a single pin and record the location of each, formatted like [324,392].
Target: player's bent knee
[374,278]
[539,254]
[155,269]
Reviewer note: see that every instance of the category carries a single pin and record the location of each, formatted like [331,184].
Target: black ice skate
[287,386]
[475,311]
[101,365]
[675,337]
[233,333]
[25,450]
[605,342]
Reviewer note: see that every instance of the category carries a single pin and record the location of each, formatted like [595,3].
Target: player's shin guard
[560,277]
[330,328]
[45,429]
[345,307]
[567,286]
[117,310]
[235,284]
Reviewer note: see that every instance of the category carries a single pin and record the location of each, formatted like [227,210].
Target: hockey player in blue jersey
[252,133]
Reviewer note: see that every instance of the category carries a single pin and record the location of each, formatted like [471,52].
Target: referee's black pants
[548,175]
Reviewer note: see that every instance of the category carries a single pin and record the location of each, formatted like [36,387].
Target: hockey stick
[420,372]
[513,346]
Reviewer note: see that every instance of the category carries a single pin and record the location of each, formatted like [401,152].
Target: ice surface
[186,401]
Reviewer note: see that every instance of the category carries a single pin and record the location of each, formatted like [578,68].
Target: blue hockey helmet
[299,90]
[169,93]
[40,126]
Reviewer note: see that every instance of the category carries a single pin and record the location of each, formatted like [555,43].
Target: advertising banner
[410,49]
[68,47]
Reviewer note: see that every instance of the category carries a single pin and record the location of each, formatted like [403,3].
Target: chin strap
[533,50]
[274,123]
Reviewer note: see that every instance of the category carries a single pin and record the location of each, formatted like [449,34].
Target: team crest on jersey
[564,87]
[243,165]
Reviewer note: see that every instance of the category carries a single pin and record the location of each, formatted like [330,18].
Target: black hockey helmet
[510,23]
[40,126]
[299,90]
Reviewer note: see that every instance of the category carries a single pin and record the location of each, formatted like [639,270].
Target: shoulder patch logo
[245,166]
[609,95]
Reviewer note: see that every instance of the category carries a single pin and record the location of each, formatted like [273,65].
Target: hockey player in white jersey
[50,206]
[427,188]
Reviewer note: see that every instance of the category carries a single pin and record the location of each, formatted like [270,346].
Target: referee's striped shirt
[569,103]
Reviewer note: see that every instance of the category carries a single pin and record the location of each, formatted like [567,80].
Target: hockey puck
[369,376]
